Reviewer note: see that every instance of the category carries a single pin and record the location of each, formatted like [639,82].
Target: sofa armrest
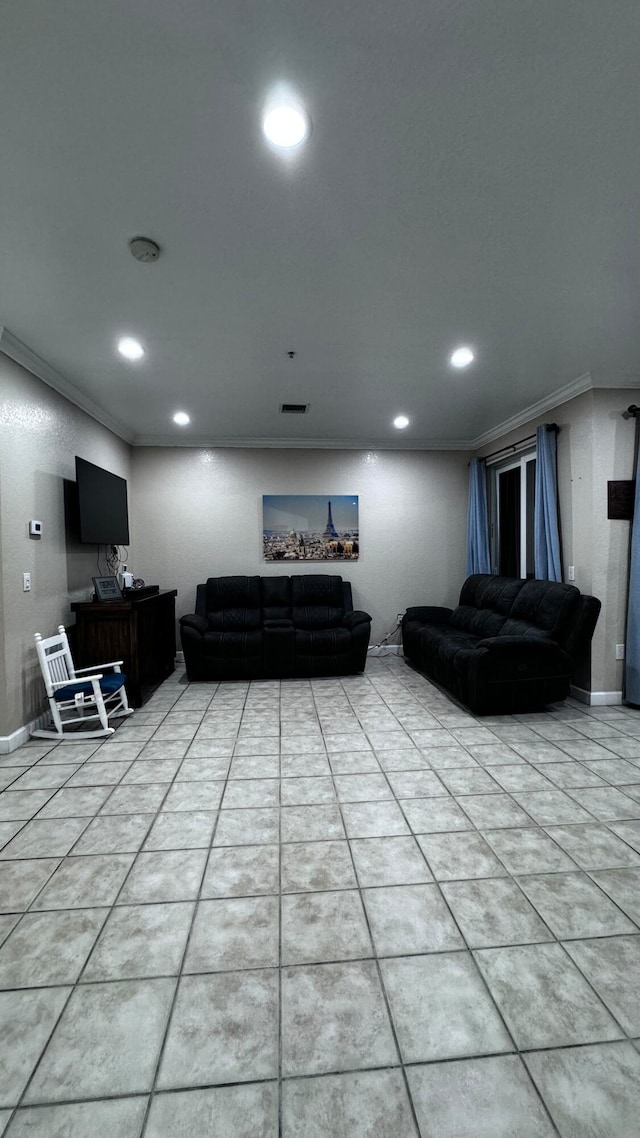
[428,614]
[513,645]
[352,619]
[198,623]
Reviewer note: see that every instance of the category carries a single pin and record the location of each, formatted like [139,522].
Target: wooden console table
[139,631]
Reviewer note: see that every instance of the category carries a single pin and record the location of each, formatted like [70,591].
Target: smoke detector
[144,249]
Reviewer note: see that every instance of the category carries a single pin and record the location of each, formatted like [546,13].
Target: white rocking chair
[95,696]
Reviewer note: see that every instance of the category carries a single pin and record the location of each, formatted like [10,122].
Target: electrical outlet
[26,582]
[619,651]
[399,619]
[571,573]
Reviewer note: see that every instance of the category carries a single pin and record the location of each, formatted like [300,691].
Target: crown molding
[12,347]
[301,444]
[613,380]
[590,381]
[555,399]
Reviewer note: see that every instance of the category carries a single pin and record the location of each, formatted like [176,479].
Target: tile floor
[341,908]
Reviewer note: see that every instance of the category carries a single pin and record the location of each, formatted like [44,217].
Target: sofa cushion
[442,649]
[542,608]
[233,603]
[230,644]
[485,603]
[483,590]
[477,622]
[323,642]
[317,600]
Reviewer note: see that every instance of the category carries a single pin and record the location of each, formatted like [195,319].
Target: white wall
[197,513]
[40,434]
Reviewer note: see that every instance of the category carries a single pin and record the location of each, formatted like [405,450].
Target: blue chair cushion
[108,684]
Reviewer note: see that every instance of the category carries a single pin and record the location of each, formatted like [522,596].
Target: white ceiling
[472,176]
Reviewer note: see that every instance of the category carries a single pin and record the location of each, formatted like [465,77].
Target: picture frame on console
[107,589]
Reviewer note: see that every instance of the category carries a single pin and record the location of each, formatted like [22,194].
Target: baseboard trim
[18,738]
[385,650]
[597,698]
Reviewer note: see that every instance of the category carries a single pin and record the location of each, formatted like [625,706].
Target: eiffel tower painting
[310,527]
[330,529]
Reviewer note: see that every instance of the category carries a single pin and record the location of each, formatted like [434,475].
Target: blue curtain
[546,548]
[632,645]
[478,519]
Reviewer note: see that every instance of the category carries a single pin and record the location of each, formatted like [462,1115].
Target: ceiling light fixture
[144,250]
[181,418]
[462,357]
[129,348]
[286,125]
[401,422]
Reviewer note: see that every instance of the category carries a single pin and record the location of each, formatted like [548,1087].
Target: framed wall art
[310,527]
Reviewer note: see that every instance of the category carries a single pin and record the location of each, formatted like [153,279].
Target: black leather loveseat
[249,627]
[510,645]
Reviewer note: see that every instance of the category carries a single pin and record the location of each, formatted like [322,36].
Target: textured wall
[197,514]
[40,434]
[612,453]
[595,444]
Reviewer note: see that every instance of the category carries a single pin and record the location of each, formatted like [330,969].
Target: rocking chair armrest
[111,664]
[85,680]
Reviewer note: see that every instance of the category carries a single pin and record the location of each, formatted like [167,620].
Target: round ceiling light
[129,348]
[462,357]
[181,418]
[401,422]
[286,125]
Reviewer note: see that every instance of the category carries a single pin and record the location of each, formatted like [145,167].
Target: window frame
[520,460]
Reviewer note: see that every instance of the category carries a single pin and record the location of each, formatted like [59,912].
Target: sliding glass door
[512,496]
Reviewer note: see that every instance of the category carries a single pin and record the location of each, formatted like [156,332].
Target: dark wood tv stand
[140,631]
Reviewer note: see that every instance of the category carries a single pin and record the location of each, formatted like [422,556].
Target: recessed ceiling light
[130,349]
[401,422]
[286,125]
[181,418]
[462,357]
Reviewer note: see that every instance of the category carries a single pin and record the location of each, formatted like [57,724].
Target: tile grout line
[478,972]
[390,1019]
[311,1076]
[72,987]
[180,974]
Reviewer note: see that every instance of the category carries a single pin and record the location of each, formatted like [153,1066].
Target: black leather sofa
[511,645]
[250,627]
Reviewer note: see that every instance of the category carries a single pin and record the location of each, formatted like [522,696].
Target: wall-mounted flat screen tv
[102,502]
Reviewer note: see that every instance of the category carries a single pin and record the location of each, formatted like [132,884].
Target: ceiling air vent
[294,408]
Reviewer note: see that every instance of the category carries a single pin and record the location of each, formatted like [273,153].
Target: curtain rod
[516,446]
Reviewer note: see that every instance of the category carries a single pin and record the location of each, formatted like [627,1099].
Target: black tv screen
[102,502]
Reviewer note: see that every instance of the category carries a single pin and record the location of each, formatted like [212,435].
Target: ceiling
[472,177]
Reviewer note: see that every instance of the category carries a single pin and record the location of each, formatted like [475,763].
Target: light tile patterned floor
[342,908]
